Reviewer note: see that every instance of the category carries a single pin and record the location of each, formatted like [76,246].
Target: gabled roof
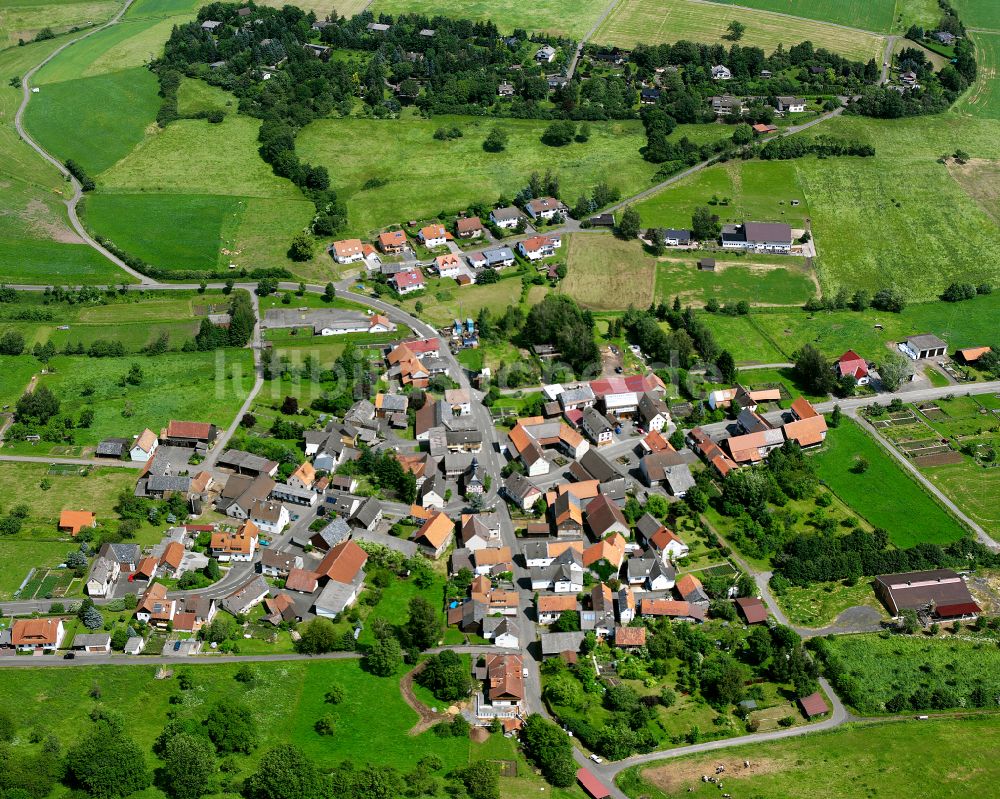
[342,563]
[753,609]
[189,430]
[630,636]
[803,409]
[436,530]
[173,554]
[611,549]
[301,580]
[807,432]
[688,585]
[35,631]
[603,515]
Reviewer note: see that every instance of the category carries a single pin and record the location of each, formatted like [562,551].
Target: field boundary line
[767,336]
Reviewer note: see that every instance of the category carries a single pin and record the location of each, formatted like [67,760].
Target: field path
[593,29]
[72,202]
[428,717]
[890,43]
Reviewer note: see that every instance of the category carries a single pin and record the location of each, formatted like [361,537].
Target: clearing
[659,21]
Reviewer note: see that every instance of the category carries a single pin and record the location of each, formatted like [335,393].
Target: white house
[771,237]
[597,427]
[721,72]
[102,577]
[790,105]
[538,247]
[347,251]
[28,635]
[505,218]
[144,446]
[449,265]
[270,516]
[408,282]
[546,54]
[543,208]
[433,236]
[653,412]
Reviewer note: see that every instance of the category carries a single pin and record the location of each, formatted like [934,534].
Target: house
[269,516]
[665,542]
[392,242]
[242,462]
[538,247]
[29,635]
[469,227]
[433,235]
[505,89]
[494,560]
[343,570]
[721,72]
[502,631]
[649,96]
[203,609]
[971,355]
[626,605]
[945,37]
[498,257]
[190,434]
[809,427]
[210,25]
[154,607]
[654,441]
[726,105]
[431,493]
[669,469]
[813,705]
[545,54]
[941,593]
[435,534]
[670,608]
[72,521]
[144,446]
[531,435]
[302,581]
[347,251]
[171,559]
[458,401]
[146,569]
[477,531]
[548,607]
[561,644]
[611,551]
[675,238]
[653,412]
[790,105]
[377,27]
[543,208]
[388,404]
[850,363]
[280,608]
[926,345]
[752,609]
[408,282]
[235,545]
[767,237]
[134,645]
[711,452]
[630,637]
[247,596]
[92,643]
[567,516]
[600,617]
[519,490]
[604,518]
[368,515]
[563,576]
[506,218]
[303,477]
[597,427]
[503,688]
[690,589]
[592,465]
[763,130]
[449,265]
[103,574]
[278,563]
[752,422]
[754,447]
[662,576]
[577,398]
[293,494]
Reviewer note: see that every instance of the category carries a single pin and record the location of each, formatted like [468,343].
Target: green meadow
[872,15]
[983,99]
[979,13]
[21,20]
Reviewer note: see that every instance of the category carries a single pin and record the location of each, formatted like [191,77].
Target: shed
[813,705]
[593,786]
[706,264]
[752,609]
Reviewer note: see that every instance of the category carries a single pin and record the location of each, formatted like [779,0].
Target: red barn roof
[593,786]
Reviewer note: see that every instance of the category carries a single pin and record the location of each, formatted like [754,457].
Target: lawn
[981,181]
[196,96]
[983,100]
[871,669]
[357,151]
[197,386]
[446,301]
[571,18]
[820,604]
[871,15]
[973,488]
[882,490]
[18,557]
[846,763]
[394,604]
[658,21]
[734,280]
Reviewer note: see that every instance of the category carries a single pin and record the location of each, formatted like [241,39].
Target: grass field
[738,335]
[22,19]
[572,18]
[445,301]
[981,181]
[18,557]
[979,13]
[359,150]
[923,521]
[821,603]
[97,491]
[870,15]
[763,284]
[605,273]
[879,668]
[846,763]
[973,489]
[194,96]
[656,21]
[983,99]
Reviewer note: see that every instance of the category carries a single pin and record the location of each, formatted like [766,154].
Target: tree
[893,370]
[11,343]
[188,767]
[723,679]
[727,367]
[813,371]
[285,773]
[890,299]
[325,725]
[629,223]
[481,779]
[568,622]
[301,248]
[423,627]
[329,293]
[383,657]
[559,133]
[37,407]
[334,695]
[736,30]
[550,749]
[742,134]
[704,225]
[211,570]
[105,763]
[860,465]
[90,615]
[836,416]
[446,676]
[496,141]
[317,637]
[232,728]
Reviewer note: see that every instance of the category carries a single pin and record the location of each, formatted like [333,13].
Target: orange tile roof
[432,232]
[306,473]
[687,584]
[146,440]
[34,631]
[238,542]
[173,554]
[557,603]
[342,563]
[436,530]
[392,238]
[630,636]
[188,429]
[662,538]
[556,548]
[347,247]
[807,432]
[75,520]
[664,607]
[611,549]
[803,409]
[585,489]
[972,354]
[492,556]
[301,580]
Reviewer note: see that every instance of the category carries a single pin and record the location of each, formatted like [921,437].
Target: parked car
[597,758]
[69,656]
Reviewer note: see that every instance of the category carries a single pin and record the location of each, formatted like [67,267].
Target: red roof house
[850,363]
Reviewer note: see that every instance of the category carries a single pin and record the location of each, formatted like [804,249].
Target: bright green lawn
[393,607]
[572,18]
[956,759]
[821,603]
[872,15]
[973,488]
[879,494]
[426,176]
[738,335]
[729,284]
[194,96]
[445,300]
[18,557]
[657,21]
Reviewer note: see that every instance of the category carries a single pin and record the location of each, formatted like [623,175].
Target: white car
[597,758]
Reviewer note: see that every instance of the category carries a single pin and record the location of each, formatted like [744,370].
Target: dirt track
[428,718]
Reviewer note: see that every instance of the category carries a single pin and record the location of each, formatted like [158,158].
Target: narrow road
[593,29]
[890,43]
[72,202]
[115,464]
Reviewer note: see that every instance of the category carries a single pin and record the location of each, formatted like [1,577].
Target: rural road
[593,29]
[72,202]
[890,43]
[71,461]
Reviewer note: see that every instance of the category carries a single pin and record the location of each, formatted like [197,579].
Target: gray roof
[252,588]
[535,549]
[394,402]
[335,532]
[101,570]
[504,214]
[648,524]
[638,568]
[598,467]
[285,490]
[157,483]
[926,341]
[498,625]
[245,461]
[123,553]
[661,569]
[595,420]
[680,235]
[556,643]
[112,446]
[518,486]
[572,396]
[335,596]
[368,512]
[91,639]
[460,437]
[498,255]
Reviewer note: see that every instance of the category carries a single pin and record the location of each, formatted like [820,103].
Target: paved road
[593,29]
[890,43]
[71,203]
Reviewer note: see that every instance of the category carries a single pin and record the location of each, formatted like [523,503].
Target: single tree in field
[424,624]
[496,141]
[742,134]
[188,767]
[736,30]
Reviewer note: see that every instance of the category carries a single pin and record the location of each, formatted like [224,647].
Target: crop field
[571,18]
[851,761]
[924,520]
[22,19]
[658,21]
[357,151]
[734,191]
[979,13]
[983,99]
[973,488]
[202,386]
[870,15]
[880,668]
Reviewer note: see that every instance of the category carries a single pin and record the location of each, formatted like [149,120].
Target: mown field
[424,177]
[979,13]
[572,18]
[981,180]
[871,15]
[656,21]
[973,488]
[446,301]
[879,494]
[21,20]
[983,99]
[956,758]
[738,335]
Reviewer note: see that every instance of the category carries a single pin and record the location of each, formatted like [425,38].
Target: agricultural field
[570,18]
[979,13]
[200,386]
[929,672]
[924,520]
[657,21]
[19,556]
[21,20]
[983,100]
[973,488]
[364,152]
[739,279]
[869,15]
[853,760]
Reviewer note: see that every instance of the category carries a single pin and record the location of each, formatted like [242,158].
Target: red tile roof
[342,563]
[814,705]
[188,429]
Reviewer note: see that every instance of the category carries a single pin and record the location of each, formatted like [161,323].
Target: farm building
[940,592]
[773,237]
[926,345]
